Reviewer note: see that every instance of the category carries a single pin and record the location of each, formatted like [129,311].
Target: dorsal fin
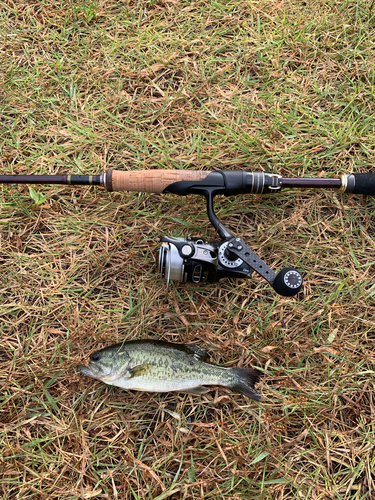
[199,353]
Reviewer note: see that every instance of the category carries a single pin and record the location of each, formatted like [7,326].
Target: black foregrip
[228,182]
[213,181]
[219,182]
[363,183]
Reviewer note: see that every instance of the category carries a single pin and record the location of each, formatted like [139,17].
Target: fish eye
[95,357]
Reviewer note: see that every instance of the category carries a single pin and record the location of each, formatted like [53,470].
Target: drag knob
[288,282]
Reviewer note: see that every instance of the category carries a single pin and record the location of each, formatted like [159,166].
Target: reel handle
[287,283]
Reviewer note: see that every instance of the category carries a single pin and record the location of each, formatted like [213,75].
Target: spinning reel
[199,261]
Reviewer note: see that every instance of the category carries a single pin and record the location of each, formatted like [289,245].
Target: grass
[277,86]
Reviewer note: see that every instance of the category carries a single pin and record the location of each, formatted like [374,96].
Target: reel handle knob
[288,282]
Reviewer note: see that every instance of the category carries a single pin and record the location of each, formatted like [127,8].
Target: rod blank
[305,182]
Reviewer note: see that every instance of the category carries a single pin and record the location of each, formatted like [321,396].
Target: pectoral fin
[139,370]
[200,389]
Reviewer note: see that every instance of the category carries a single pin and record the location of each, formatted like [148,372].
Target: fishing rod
[197,260]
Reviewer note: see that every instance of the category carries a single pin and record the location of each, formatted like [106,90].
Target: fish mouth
[93,372]
[89,371]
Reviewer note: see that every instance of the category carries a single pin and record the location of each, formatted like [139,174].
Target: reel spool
[198,261]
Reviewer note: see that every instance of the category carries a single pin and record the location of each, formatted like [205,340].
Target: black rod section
[73,180]
[311,183]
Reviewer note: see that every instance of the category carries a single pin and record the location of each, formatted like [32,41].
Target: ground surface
[282,86]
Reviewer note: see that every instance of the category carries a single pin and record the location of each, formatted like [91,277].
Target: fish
[158,366]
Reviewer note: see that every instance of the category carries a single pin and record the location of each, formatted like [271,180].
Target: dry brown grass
[279,86]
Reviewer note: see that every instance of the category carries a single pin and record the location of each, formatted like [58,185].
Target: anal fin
[200,389]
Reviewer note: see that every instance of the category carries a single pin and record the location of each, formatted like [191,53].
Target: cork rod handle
[149,181]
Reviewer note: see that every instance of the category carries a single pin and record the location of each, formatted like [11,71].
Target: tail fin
[245,379]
